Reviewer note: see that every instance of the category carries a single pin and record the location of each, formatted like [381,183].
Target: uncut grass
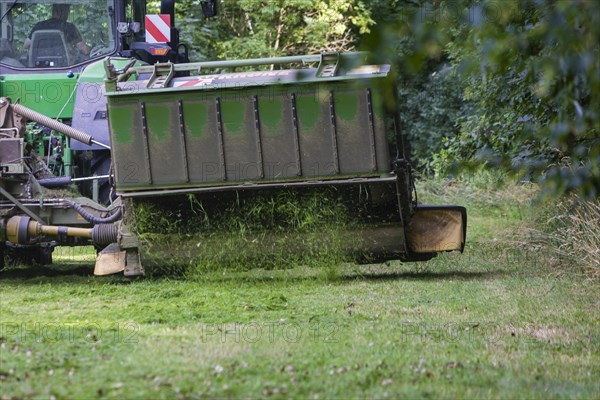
[567,228]
[572,230]
[280,230]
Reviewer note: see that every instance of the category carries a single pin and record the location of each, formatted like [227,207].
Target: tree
[267,28]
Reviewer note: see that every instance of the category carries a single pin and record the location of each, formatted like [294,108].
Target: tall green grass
[567,228]
[573,232]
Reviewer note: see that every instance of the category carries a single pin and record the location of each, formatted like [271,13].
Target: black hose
[55,182]
[92,218]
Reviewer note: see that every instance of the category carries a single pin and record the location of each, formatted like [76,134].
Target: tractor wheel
[39,255]
[43,255]
[100,165]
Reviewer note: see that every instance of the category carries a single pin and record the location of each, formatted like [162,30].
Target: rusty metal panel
[382,136]
[11,151]
[239,138]
[355,131]
[316,135]
[165,142]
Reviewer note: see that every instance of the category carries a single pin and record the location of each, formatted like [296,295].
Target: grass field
[506,319]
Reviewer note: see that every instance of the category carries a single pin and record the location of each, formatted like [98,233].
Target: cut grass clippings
[193,234]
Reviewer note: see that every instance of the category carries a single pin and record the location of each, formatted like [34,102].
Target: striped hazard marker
[158,28]
[193,83]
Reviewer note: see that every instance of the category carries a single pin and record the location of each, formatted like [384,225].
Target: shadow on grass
[69,274]
[35,271]
[428,275]
[259,276]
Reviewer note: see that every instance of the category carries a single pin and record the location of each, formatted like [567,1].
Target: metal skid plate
[437,228]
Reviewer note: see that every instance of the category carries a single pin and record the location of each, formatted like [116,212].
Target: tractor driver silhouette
[60,13]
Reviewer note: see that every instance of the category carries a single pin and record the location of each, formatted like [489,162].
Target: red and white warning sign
[193,83]
[158,28]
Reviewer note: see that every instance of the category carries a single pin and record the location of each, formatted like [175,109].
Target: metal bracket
[133,264]
[329,65]
[114,75]
[161,76]
[21,206]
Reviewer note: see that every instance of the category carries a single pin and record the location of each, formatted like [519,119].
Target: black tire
[39,255]
[43,255]
[99,165]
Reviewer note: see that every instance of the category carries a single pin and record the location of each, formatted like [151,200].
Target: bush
[430,106]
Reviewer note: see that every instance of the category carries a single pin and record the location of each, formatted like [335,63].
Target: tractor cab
[70,34]
[51,60]
[43,34]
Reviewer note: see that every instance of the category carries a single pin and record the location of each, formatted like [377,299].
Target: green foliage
[431,103]
[531,76]
[24,18]
[251,28]
[535,78]
[430,85]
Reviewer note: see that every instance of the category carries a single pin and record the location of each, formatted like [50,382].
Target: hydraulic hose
[92,218]
[51,183]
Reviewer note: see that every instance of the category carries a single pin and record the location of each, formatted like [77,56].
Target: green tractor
[158,147]
[44,70]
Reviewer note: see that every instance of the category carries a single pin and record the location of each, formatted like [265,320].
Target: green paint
[270,112]
[50,94]
[232,112]
[377,102]
[309,111]
[44,93]
[121,122]
[160,123]
[346,105]
[195,115]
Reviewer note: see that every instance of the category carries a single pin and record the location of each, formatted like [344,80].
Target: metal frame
[255,186]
